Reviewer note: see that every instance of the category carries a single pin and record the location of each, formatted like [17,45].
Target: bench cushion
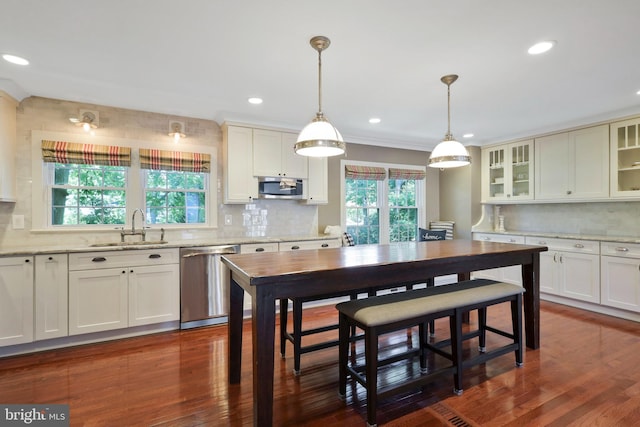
[380,310]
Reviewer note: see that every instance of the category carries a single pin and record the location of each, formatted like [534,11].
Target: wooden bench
[382,314]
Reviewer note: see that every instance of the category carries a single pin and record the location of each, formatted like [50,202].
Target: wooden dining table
[268,277]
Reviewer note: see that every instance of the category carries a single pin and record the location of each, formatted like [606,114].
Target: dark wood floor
[586,373]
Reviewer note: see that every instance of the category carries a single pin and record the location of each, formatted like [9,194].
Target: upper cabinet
[7,148]
[240,186]
[507,172]
[317,185]
[273,155]
[625,158]
[573,165]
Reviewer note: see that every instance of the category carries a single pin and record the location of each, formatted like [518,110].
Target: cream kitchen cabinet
[573,165]
[51,296]
[240,186]
[507,173]
[8,144]
[625,158]
[273,155]
[309,244]
[248,249]
[570,268]
[317,184]
[16,300]
[620,275]
[512,274]
[119,289]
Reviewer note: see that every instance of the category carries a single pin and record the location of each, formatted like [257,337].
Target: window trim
[384,208]
[41,197]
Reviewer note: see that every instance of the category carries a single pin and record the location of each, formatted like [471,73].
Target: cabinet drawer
[258,247]
[566,245]
[500,238]
[309,244]
[627,250]
[127,258]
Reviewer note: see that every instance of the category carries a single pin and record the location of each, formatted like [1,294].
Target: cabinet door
[494,175]
[154,294]
[51,295]
[317,186]
[267,153]
[552,158]
[293,165]
[549,277]
[520,171]
[625,159]
[512,274]
[580,276]
[16,300]
[590,155]
[97,300]
[620,282]
[239,183]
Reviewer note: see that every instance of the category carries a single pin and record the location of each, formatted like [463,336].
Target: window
[95,185]
[381,207]
[175,197]
[87,194]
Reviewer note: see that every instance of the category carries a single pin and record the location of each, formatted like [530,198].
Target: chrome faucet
[133,231]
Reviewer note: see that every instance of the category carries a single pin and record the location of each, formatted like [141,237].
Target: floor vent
[450,416]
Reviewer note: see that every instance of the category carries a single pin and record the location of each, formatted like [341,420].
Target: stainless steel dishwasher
[204,285]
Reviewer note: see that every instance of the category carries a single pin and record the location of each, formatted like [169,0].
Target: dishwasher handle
[213,250]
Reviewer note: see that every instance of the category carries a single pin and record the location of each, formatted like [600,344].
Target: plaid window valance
[365,172]
[174,160]
[406,174]
[87,154]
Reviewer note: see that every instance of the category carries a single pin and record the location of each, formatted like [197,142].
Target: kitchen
[292,220]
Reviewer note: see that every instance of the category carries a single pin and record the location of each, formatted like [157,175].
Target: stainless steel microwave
[279,188]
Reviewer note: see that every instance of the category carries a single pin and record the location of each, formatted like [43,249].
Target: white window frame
[384,191]
[135,191]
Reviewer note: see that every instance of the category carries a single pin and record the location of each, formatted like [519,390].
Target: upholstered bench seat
[382,314]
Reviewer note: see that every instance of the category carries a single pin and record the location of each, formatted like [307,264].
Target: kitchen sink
[145,243]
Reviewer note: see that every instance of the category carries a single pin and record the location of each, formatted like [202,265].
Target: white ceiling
[204,58]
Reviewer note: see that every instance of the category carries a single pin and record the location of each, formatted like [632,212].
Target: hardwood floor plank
[585,373]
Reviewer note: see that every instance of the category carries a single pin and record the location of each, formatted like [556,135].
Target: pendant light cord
[320,82]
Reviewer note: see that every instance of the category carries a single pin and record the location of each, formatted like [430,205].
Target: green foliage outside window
[175,197]
[403,211]
[88,194]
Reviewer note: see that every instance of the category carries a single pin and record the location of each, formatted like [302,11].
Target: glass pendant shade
[449,154]
[319,139]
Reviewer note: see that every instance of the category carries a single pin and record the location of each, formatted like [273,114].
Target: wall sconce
[88,120]
[176,130]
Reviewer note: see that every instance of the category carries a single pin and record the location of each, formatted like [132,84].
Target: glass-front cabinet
[625,158]
[507,172]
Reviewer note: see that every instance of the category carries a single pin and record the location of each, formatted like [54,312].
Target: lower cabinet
[16,300]
[51,296]
[511,274]
[570,268]
[620,276]
[112,290]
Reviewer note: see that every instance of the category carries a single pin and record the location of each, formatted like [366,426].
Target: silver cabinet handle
[578,245]
[622,249]
[569,191]
[512,240]
[487,238]
[542,242]
[296,247]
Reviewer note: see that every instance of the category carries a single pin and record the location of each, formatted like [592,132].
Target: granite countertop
[50,249]
[549,235]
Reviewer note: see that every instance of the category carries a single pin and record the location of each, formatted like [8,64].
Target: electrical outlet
[228,220]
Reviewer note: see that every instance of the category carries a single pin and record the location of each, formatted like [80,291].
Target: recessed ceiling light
[638,92]
[15,59]
[467,135]
[374,120]
[255,101]
[541,47]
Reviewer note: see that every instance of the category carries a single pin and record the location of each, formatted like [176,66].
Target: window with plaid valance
[87,154]
[174,160]
[365,172]
[395,173]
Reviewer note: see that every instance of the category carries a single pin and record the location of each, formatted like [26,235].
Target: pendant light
[319,138]
[449,153]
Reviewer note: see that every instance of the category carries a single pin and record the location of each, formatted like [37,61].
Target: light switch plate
[17,221]
[228,220]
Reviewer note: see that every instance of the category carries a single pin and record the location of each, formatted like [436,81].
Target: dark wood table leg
[236,302]
[462,277]
[263,332]
[531,302]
